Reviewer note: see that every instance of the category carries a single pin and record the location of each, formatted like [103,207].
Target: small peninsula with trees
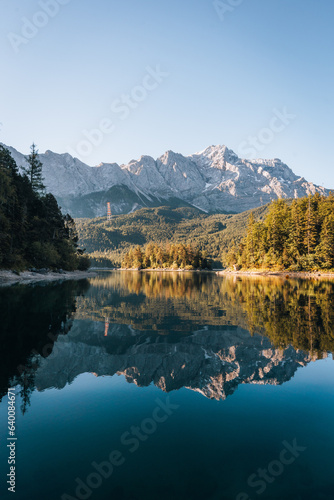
[172,257]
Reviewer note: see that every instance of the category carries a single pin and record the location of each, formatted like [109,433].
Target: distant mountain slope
[215,180]
[212,233]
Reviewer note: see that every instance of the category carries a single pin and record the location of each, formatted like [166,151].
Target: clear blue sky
[227,74]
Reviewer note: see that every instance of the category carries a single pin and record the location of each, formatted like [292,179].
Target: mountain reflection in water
[193,330]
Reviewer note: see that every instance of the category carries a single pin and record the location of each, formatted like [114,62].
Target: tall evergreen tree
[34,170]
[277,224]
[250,240]
[310,227]
[325,250]
[296,230]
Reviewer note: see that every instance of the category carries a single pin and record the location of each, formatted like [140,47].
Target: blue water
[206,444]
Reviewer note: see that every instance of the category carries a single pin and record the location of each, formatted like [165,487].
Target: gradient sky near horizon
[232,67]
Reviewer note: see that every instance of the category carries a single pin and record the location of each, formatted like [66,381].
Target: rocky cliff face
[214,180]
[212,362]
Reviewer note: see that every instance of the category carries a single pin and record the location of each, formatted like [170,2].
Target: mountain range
[215,180]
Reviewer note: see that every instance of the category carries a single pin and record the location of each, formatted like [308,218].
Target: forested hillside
[33,231]
[297,235]
[108,241]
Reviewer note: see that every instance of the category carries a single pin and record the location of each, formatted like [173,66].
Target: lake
[185,386]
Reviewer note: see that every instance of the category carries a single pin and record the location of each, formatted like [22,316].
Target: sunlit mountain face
[213,180]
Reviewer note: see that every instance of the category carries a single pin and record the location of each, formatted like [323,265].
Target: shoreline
[279,274]
[167,270]
[8,278]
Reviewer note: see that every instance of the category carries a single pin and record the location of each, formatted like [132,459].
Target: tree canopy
[33,231]
[297,236]
[154,256]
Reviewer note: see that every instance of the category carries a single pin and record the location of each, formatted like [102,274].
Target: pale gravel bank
[8,278]
[280,274]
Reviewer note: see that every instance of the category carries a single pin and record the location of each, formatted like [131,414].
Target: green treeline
[33,231]
[296,236]
[177,256]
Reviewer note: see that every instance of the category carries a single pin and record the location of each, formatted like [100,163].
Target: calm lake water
[163,386]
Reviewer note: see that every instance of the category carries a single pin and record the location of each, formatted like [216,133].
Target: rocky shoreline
[8,278]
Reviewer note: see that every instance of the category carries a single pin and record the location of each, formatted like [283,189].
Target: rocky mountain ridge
[213,180]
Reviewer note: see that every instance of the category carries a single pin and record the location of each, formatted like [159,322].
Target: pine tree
[310,227]
[138,257]
[251,241]
[277,223]
[325,251]
[296,230]
[34,170]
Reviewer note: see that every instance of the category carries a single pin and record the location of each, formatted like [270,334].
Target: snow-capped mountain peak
[214,180]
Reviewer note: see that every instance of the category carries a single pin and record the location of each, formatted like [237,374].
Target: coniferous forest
[170,256]
[296,236]
[33,231]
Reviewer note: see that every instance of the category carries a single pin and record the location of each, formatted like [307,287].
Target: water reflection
[199,331]
[211,361]
[32,319]
[289,312]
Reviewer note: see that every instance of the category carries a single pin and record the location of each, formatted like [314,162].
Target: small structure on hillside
[109,211]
